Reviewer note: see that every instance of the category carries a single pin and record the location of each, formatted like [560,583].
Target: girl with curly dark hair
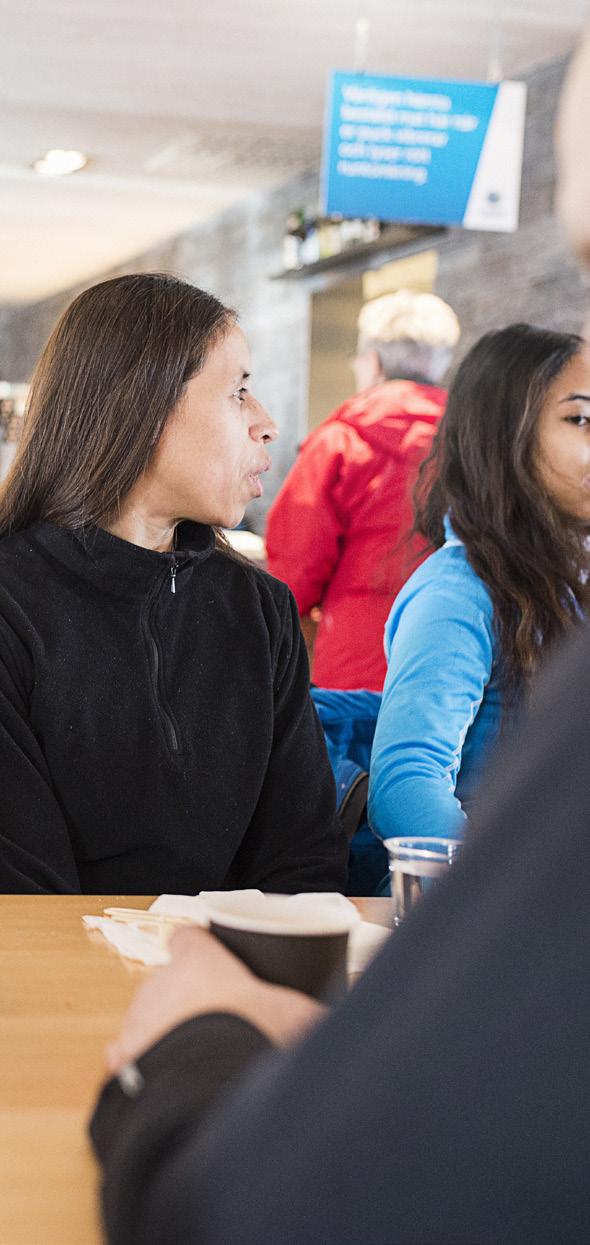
[504,504]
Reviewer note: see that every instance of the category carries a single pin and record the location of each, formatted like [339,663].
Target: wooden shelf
[400,239]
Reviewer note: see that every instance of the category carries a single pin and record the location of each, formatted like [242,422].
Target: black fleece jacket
[156,732]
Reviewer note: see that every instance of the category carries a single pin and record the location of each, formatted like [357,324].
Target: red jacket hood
[384,414]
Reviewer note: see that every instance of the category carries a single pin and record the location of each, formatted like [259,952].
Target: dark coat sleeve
[446,1101]
[35,847]
[295,841]
[180,1077]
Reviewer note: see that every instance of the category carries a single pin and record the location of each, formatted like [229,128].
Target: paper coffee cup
[287,940]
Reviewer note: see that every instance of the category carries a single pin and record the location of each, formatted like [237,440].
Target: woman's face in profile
[563,441]
[212,453]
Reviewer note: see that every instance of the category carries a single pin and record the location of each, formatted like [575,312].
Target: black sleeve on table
[182,1075]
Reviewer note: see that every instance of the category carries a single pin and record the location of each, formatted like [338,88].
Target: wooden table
[63,993]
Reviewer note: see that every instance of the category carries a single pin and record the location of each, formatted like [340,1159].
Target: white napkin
[131,941]
[197,906]
[194,906]
[147,945]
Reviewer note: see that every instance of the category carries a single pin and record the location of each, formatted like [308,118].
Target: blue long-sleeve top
[442,703]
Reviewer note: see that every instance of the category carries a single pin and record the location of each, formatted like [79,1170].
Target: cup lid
[284,914]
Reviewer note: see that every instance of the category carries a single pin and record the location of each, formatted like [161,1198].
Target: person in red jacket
[338,530]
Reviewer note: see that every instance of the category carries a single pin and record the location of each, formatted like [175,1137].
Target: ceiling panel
[186,107]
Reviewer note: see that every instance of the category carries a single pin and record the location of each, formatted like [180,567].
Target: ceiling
[187,106]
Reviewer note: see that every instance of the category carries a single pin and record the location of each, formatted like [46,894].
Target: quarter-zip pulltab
[173,570]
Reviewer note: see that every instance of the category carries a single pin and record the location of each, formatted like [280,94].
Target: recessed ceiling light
[57,162]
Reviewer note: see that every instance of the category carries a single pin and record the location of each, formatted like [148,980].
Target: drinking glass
[414,866]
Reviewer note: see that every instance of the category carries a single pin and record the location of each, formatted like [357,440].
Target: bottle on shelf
[310,247]
[330,236]
[293,239]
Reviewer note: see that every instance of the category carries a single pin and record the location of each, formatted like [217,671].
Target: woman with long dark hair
[503,502]
[156,732]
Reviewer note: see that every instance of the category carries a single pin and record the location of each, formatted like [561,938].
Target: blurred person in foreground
[154,687]
[571,145]
[337,532]
[503,504]
[445,1102]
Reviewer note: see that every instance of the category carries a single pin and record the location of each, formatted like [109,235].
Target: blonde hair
[409,316]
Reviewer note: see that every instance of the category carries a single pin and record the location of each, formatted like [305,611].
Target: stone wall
[496,279]
[491,279]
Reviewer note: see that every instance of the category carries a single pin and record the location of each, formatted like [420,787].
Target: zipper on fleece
[166,717]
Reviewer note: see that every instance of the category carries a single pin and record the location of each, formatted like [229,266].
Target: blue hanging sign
[424,151]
